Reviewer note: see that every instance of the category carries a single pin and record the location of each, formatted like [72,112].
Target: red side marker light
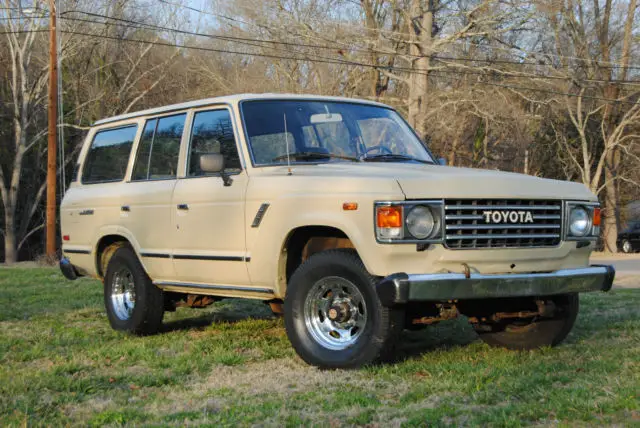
[596,217]
[65,238]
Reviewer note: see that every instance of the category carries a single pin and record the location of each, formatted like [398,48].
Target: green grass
[231,364]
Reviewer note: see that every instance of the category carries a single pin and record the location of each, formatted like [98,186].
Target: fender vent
[259,215]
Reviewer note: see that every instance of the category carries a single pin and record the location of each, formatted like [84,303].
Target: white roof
[232,99]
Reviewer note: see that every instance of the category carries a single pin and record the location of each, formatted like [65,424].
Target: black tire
[148,309]
[376,339]
[518,335]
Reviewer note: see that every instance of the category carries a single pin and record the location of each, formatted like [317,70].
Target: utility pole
[53,133]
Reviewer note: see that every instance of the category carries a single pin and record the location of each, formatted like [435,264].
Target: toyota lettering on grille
[501,216]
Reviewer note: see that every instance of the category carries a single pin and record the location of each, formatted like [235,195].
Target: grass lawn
[231,364]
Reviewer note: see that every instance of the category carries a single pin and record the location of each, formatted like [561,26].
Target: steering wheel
[381,150]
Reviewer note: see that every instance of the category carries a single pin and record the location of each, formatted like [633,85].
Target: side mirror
[442,161]
[211,162]
[214,163]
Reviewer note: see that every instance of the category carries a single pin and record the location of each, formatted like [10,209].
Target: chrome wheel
[335,313]
[123,294]
[626,246]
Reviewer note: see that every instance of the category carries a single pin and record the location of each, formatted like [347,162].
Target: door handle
[183,207]
[125,208]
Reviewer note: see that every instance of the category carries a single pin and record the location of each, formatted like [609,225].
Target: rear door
[209,231]
[146,207]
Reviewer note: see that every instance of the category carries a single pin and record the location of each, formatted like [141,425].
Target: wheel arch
[106,245]
[304,241]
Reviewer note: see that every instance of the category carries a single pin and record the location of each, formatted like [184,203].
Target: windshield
[281,131]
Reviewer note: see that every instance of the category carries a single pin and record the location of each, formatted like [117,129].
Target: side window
[159,148]
[108,155]
[212,132]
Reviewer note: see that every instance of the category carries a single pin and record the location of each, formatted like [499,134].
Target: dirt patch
[83,411]
[281,376]
[277,378]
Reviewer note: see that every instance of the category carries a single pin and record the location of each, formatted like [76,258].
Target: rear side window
[159,149]
[109,155]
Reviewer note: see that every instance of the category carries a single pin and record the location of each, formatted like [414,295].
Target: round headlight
[579,222]
[420,222]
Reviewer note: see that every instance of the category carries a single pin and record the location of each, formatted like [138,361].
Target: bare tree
[27,83]
[603,112]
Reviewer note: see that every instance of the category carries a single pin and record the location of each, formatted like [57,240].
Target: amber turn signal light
[350,206]
[389,216]
[596,217]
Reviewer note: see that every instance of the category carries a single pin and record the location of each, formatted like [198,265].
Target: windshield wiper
[314,155]
[383,157]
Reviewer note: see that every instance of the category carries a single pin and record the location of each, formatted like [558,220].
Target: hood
[468,183]
[419,181]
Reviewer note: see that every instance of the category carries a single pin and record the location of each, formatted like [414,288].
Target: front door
[209,233]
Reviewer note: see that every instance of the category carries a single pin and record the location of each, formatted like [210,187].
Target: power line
[24,31]
[252,42]
[24,16]
[248,41]
[331,60]
[351,63]
[614,65]
[276,42]
[504,61]
[344,46]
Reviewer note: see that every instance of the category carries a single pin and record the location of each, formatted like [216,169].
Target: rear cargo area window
[109,155]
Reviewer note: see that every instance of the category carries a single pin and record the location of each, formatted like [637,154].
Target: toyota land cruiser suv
[331,210]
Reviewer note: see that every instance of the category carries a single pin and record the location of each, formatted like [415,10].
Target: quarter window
[213,133]
[159,149]
[108,155]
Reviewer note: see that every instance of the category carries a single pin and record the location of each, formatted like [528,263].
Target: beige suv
[332,211]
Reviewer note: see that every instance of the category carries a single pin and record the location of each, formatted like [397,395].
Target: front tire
[132,302]
[626,246]
[536,333]
[332,313]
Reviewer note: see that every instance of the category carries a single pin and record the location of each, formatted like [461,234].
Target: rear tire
[520,335]
[626,246]
[132,302]
[333,316]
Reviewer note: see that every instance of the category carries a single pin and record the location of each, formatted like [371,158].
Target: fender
[114,230]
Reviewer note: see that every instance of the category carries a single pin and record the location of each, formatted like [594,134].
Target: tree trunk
[421,27]
[418,96]
[10,253]
[454,150]
[610,226]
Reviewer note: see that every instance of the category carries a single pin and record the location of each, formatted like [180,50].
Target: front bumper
[401,288]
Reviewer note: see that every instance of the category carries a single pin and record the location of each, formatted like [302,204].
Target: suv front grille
[469,223]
